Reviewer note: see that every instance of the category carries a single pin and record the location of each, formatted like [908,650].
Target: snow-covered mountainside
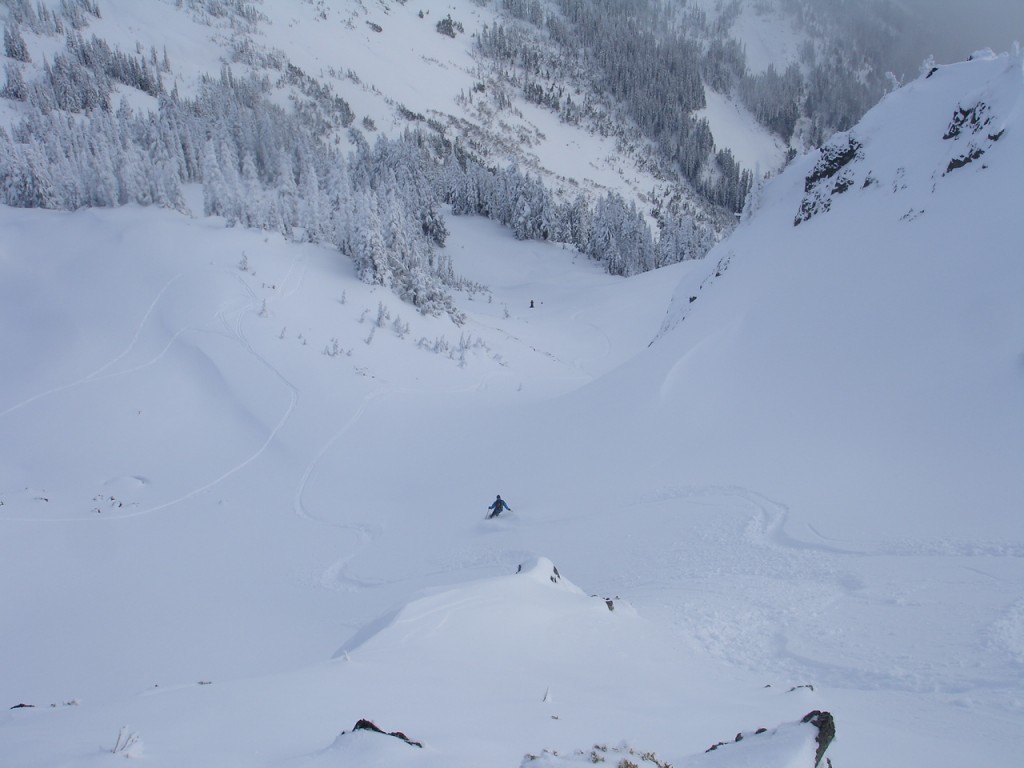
[903,215]
[243,489]
[279,107]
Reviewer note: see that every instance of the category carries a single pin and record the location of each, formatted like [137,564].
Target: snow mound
[490,611]
[368,745]
[543,570]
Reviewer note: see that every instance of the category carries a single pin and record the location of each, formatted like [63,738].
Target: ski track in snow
[298,505]
[744,550]
[232,319]
[338,575]
[754,581]
[95,375]
[757,598]
[239,335]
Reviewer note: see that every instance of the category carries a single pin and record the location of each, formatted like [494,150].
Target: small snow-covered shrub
[128,743]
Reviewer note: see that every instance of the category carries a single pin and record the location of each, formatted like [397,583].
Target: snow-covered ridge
[409,624]
[918,148]
[906,152]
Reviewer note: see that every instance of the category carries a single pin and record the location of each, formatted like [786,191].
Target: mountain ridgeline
[638,71]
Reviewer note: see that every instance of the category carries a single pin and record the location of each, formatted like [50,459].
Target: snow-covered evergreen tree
[14,44]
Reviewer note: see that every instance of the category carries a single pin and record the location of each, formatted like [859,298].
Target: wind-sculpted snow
[449,609]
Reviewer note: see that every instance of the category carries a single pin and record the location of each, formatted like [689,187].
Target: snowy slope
[769,38]
[920,345]
[238,515]
[387,60]
[734,127]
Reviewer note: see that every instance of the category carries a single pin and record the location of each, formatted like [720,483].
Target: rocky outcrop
[826,726]
[974,125]
[822,721]
[829,176]
[366,725]
[786,745]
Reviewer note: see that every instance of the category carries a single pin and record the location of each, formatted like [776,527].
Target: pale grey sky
[953,29]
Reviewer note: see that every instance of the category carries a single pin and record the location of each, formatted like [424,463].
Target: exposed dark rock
[968,122]
[826,726]
[366,725]
[830,176]
[823,721]
[971,119]
[835,155]
[962,160]
[809,208]
[843,183]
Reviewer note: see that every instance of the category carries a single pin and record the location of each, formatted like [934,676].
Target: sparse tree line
[266,167]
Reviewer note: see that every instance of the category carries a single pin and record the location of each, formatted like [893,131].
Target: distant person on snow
[498,506]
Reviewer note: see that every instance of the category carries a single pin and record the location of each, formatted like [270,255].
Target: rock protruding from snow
[367,725]
[600,753]
[543,570]
[480,610]
[826,726]
[368,745]
[790,744]
[915,121]
[965,126]
[829,176]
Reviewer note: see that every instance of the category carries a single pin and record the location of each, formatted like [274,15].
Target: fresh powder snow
[242,493]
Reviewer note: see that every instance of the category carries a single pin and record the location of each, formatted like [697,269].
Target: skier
[498,506]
